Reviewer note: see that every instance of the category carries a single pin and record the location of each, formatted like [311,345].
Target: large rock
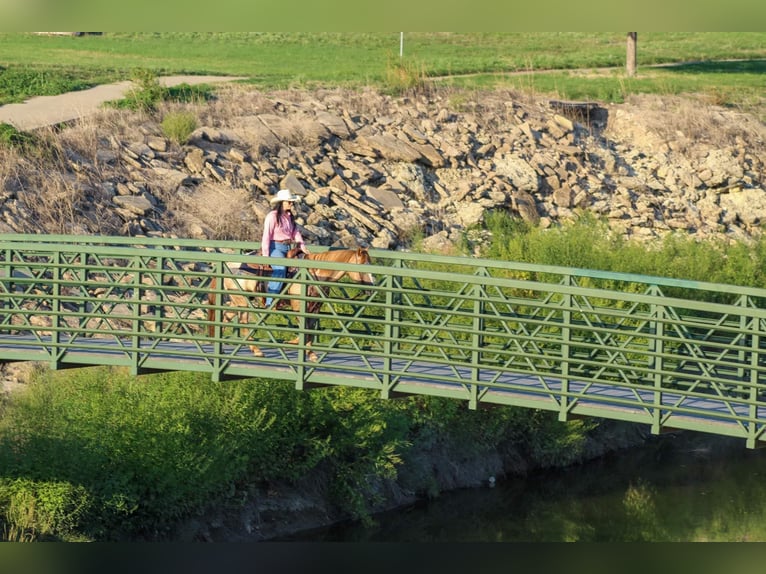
[521,175]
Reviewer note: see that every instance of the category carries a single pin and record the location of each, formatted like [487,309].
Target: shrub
[40,510]
[178,126]
[145,95]
[145,454]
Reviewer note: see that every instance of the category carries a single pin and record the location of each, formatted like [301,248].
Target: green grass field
[729,67]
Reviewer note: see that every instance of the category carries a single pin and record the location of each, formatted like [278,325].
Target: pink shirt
[274,232]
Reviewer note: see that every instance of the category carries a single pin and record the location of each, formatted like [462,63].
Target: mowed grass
[592,63]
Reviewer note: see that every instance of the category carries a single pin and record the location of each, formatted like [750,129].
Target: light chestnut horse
[256,283]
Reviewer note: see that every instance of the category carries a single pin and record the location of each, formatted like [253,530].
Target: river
[685,487]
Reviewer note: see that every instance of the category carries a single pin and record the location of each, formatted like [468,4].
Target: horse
[256,282]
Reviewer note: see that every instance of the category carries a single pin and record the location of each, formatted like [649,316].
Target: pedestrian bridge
[671,354]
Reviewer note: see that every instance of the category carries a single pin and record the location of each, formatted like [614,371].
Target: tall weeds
[589,243]
[404,75]
[95,454]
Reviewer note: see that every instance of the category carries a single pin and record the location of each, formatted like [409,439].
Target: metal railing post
[656,354]
[217,374]
[477,343]
[392,314]
[56,351]
[566,350]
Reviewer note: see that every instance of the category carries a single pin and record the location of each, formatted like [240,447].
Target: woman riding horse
[315,291]
[280,232]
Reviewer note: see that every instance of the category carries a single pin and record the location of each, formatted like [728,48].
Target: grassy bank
[99,455]
[36,65]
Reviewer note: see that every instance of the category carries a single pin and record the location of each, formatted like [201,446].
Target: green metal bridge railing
[669,353]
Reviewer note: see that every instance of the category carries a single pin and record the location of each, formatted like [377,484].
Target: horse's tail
[210,310]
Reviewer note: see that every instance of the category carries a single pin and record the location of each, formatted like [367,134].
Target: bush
[12,138]
[145,95]
[146,454]
[589,243]
[40,510]
[178,126]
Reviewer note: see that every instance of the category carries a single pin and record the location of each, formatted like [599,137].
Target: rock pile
[378,170]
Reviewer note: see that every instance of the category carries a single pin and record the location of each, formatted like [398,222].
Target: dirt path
[44,111]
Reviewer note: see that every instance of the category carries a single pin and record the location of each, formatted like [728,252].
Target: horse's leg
[248,333]
[253,348]
[242,313]
[310,324]
[311,355]
[233,301]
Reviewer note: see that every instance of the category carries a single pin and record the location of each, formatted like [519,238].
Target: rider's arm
[268,232]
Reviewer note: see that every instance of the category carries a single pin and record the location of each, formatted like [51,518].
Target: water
[679,488]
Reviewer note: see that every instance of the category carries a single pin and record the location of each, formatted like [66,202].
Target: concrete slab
[42,111]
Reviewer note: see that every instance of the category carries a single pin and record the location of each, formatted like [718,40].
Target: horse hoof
[256,351]
[292,341]
[312,357]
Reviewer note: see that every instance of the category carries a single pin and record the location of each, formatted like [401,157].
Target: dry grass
[690,120]
[225,213]
[233,101]
[57,187]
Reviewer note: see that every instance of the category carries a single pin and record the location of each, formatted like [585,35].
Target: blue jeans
[277,271]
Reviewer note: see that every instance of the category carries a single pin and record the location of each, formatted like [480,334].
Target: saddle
[259,269]
[264,270]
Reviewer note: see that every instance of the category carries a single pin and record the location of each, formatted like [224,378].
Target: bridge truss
[672,354]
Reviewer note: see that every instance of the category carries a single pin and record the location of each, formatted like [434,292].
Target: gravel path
[44,111]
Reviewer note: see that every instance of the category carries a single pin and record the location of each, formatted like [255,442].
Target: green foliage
[187,94]
[13,138]
[550,443]
[366,437]
[96,454]
[18,83]
[146,93]
[589,243]
[146,454]
[178,126]
[40,510]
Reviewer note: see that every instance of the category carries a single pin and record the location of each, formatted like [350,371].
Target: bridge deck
[397,377]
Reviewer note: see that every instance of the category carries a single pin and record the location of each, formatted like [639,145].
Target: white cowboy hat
[284,195]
